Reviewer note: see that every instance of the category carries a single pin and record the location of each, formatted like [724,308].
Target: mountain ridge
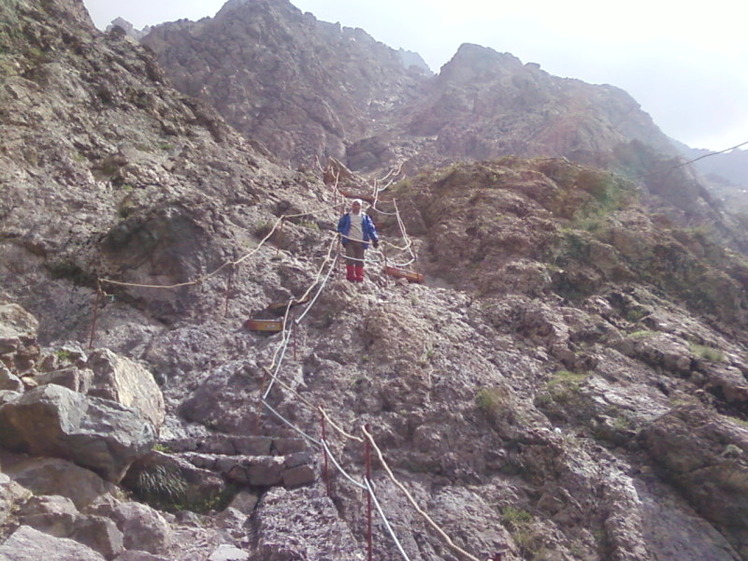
[568,383]
[349,97]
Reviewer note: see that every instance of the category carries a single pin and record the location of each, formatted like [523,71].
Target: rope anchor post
[369,540]
[325,471]
[94,319]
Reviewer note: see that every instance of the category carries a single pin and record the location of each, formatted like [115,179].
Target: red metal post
[325,473]
[293,334]
[229,288]
[97,303]
[369,540]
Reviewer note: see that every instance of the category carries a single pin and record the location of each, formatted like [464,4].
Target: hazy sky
[685,63]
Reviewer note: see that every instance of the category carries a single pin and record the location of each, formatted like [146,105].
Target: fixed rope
[273,372]
[413,502]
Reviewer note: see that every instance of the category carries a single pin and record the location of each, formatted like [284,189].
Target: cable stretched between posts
[387,524]
[384,212]
[286,330]
[683,164]
[330,250]
[403,231]
[340,468]
[413,502]
[277,363]
[285,386]
[290,424]
[339,429]
[286,336]
[314,407]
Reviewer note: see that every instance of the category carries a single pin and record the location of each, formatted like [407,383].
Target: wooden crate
[266,325]
[410,276]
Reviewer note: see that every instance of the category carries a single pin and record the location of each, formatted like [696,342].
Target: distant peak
[473,60]
[128,28]
[234,4]
[473,52]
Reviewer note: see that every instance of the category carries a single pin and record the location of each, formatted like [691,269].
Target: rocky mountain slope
[274,72]
[303,88]
[569,383]
[309,90]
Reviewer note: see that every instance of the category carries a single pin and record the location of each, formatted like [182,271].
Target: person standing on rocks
[356,230]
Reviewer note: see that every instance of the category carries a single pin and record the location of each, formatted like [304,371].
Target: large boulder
[53,476]
[144,529]
[58,516]
[27,544]
[94,433]
[18,330]
[52,514]
[126,382]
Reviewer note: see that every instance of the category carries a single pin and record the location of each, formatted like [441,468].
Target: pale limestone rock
[126,382]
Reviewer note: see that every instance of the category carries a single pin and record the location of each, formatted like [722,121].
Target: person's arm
[372,231]
[343,225]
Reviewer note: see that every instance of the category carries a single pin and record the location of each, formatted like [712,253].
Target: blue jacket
[370,232]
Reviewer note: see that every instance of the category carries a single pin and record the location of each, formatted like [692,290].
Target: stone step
[292,470]
[232,445]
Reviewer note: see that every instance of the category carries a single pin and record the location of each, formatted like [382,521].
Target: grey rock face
[52,476]
[94,433]
[27,544]
[568,383]
[144,529]
[122,380]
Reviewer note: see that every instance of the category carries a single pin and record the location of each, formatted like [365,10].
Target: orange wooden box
[403,274]
[268,325]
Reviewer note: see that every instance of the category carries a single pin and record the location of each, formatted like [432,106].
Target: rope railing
[413,502]
[234,263]
[369,439]
[322,277]
[340,468]
[383,516]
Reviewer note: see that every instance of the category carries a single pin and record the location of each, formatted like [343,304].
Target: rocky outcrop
[301,87]
[121,380]
[94,433]
[532,396]
[309,91]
